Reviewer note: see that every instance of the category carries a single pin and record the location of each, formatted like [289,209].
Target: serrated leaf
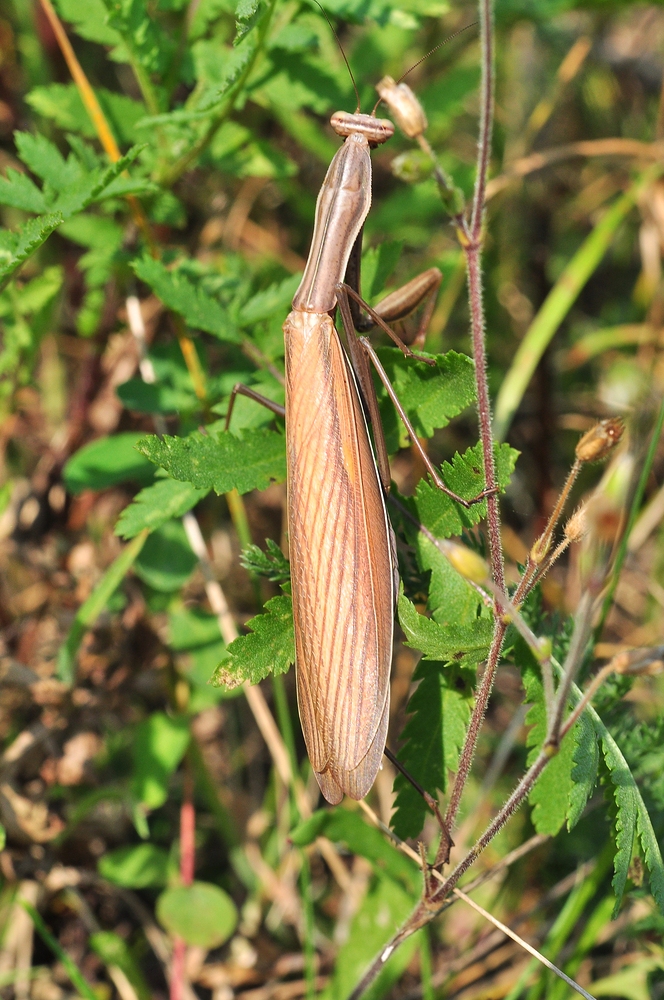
[61,102]
[347,827]
[584,773]
[248,14]
[439,711]
[430,395]
[632,812]
[157,504]
[462,644]
[15,248]
[264,304]
[465,476]
[18,191]
[178,292]
[221,461]
[141,33]
[551,795]
[45,160]
[268,649]
[89,19]
[237,64]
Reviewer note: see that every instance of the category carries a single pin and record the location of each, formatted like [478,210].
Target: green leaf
[273,300]
[268,649]
[221,461]
[166,561]
[113,950]
[377,265]
[18,191]
[139,866]
[584,773]
[430,395]
[461,644]
[439,711]
[90,610]
[201,914]
[15,248]
[272,564]
[465,476]
[347,827]
[61,102]
[550,797]
[192,628]
[148,43]
[107,462]
[378,918]
[160,742]
[89,20]
[178,292]
[165,499]
[45,160]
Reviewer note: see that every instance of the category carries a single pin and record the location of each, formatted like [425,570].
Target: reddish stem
[187,862]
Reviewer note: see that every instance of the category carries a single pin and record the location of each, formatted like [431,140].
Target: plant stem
[471,241]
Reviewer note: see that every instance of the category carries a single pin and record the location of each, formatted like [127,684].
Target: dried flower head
[639,661]
[406,110]
[577,526]
[600,440]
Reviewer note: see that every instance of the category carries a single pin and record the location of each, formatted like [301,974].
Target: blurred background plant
[157,191]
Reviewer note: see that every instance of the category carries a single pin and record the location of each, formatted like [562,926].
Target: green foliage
[349,828]
[15,248]
[202,914]
[107,462]
[153,506]
[61,102]
[430,395]
[69,186]
[272,564]
[166,560]
[550,797]
[159,744]
[268,649]
[140,866]
[439,709]
[179,293]
[113,951]
[378,917]
[221,461]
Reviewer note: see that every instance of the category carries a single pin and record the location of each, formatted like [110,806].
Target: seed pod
[600,440]
[406,110]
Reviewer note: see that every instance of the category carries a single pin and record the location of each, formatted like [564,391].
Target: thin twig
[524,944]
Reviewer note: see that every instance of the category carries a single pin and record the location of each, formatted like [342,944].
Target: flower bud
[406,110]
[412,167]
[600,440]
[469,564]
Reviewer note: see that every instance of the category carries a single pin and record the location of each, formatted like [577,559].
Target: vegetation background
[153,840]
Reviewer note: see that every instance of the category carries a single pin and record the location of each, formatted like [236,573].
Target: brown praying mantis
[342,547]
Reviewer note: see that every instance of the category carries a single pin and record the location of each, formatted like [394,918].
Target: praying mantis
[342,548]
